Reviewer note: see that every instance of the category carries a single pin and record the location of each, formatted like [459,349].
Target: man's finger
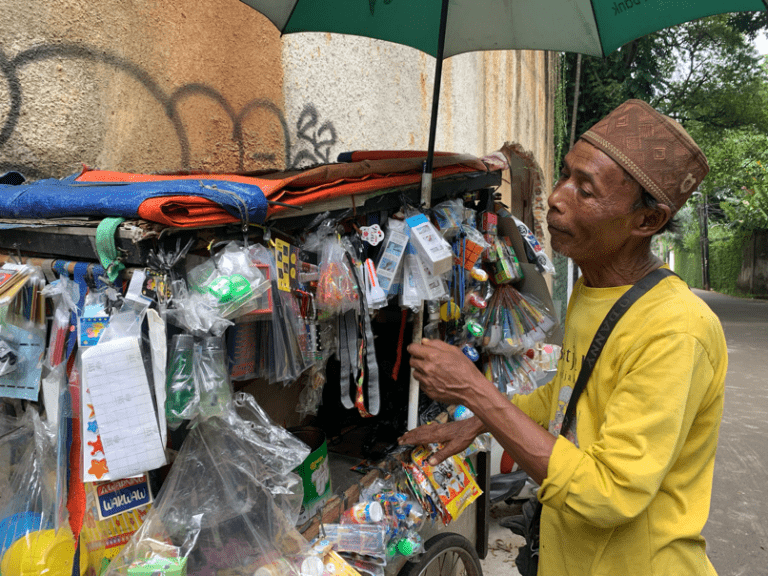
[440,455]
[426,434]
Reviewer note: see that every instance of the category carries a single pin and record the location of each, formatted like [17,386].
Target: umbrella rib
[289,17]
[597,28]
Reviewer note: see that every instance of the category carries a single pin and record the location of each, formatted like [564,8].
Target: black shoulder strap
[606,327]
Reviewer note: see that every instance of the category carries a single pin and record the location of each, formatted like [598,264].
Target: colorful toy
[159,567]
[43,553]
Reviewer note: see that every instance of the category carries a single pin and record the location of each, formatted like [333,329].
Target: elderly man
[626,490]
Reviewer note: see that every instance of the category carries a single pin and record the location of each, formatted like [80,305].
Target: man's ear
[651,220]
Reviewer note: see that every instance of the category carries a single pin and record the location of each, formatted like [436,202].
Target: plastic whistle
[375,293]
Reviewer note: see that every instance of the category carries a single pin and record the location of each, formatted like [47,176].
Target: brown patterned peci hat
[654,149]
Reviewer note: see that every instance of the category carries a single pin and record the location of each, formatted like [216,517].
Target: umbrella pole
[426,198]
[426,177]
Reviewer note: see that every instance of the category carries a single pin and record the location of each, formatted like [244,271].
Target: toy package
[451,481]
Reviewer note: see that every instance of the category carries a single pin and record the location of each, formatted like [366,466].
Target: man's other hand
[455,437]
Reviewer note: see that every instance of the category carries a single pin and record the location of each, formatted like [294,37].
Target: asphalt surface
[737,530]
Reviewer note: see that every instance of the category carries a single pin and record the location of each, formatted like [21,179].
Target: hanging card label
[117,497]
[114,372]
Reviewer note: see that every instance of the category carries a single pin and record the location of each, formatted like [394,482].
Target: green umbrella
[443,28]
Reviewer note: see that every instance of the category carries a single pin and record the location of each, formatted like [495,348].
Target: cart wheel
[445,555]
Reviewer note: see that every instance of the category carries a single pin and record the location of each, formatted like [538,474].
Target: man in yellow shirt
[626,490]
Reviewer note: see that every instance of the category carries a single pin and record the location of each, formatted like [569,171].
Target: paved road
[737,531]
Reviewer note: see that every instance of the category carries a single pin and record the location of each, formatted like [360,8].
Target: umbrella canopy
[593,27]
[443,28]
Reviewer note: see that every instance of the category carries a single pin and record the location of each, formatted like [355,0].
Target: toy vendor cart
[346,394]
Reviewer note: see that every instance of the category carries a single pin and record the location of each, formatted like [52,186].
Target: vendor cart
[360,449]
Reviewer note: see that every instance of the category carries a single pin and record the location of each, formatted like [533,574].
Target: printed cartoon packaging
[114,512]
[451,480]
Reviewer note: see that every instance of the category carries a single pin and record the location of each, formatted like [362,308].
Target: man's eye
[584,193]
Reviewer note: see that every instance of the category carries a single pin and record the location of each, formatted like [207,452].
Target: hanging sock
[347,349]
[106,248]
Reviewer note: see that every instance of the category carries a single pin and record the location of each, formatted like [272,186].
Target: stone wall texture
[152,86]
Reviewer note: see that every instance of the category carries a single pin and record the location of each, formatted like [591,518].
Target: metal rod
[426,198]
[426,188]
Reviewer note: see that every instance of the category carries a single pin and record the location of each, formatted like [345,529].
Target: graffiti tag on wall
[313,142]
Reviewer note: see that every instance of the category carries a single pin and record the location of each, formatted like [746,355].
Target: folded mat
[360,172]
[193,200]
[175,200]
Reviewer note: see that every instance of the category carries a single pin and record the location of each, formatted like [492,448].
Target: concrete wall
[152,85]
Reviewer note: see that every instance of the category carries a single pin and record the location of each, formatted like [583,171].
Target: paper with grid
[114,372]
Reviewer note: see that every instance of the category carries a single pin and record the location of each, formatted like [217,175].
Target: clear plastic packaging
[368,539]
[182,395]
[212,377]
[283,342]
[449,216]
[228,281]
[337,289]
[63,294]
[533,249]
[214,513]
[35,537]
[22,335]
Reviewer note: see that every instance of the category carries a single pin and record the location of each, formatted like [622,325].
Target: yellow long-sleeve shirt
[629,493]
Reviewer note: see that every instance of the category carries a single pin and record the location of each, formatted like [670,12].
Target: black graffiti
[321,137]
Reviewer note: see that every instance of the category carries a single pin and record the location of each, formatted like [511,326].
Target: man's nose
[558,195]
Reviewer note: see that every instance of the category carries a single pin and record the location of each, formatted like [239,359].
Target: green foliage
[707,75]
[725,255]
[688,266]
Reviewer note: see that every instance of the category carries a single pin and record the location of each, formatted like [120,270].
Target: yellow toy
[45,553]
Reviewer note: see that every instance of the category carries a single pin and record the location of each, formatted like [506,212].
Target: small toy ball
[479,274]
[475,328]
[45,552]
[470,352]
[450,311]
[477,301]
[462,413]
[14,527]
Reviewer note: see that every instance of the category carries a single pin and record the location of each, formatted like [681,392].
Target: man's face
[590,210]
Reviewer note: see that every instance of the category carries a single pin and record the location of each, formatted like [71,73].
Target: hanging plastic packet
[534,251]
[430,286]
[390,265]
[211,377]
[182,395]
[194,313]
[434,251]
[64,294]
[214,514]
[449,216]
[228,281]
[337,289]
[22,332]
[281,358]
[375,294]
